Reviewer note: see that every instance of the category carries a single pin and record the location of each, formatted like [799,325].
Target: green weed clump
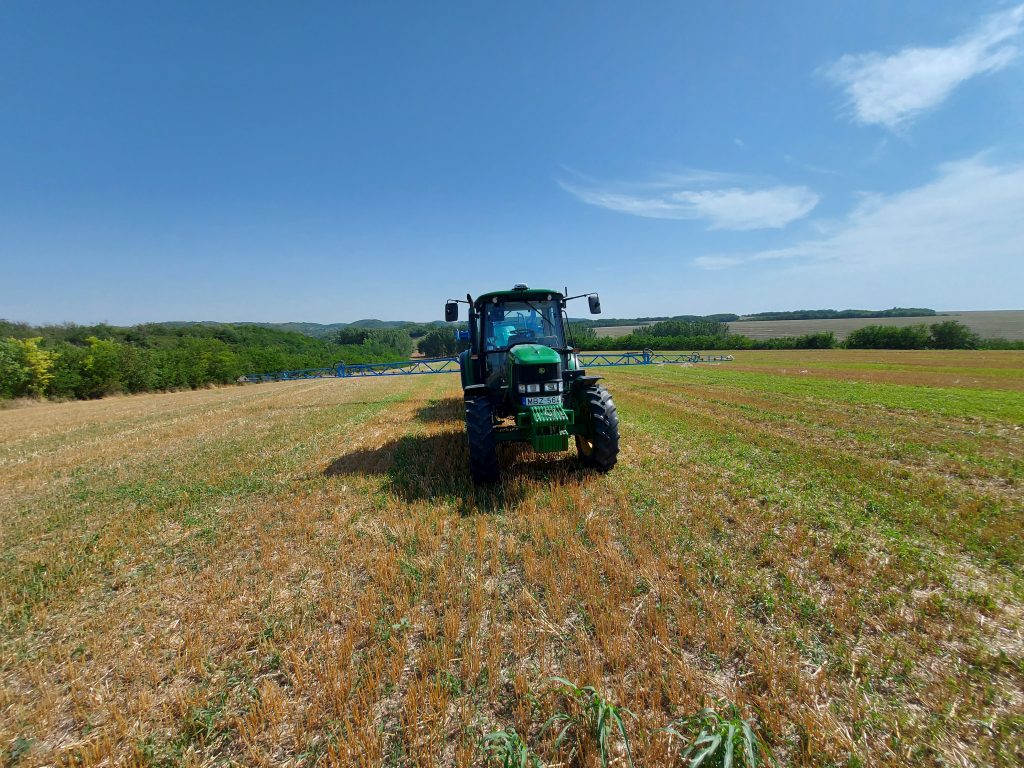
[721,740]
[591,717]
[507,749]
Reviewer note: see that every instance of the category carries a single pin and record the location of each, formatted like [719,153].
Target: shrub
[1000,344]
[945,335]
[69,379]
[823,340]
[14,375]
[579,333]
[390,340]
[439,342]
[25,369]
[953,335]
[103,367]
[351,335]
[889,337]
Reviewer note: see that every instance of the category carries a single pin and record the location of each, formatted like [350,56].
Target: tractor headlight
[553,386]
[533,387]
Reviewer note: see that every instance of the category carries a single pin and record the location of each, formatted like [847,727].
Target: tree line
[711,335]
[833,314]
[72,361]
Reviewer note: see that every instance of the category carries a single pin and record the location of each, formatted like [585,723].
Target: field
[615,331]
[301,574]
[1005,324]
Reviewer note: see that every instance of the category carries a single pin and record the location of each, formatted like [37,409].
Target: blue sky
[328,162]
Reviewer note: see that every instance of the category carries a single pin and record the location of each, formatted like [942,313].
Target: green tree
[69,377]
[351,335]
[391,339]
[580,334]
[820,340]
[25,369]
[136,368]
[439,342]
[14,375]
[953,335]
[103,367]
[40,364]
[889,337]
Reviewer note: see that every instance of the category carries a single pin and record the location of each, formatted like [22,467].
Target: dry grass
[300,573]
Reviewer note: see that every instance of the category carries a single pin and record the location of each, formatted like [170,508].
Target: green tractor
[522,382]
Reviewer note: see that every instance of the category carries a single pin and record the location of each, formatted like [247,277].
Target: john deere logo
[540,370]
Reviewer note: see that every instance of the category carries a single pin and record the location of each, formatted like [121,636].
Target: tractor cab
[520,367]
[527,321]
[514,328]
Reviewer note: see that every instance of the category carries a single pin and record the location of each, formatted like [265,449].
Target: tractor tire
[600,448]
[483,454]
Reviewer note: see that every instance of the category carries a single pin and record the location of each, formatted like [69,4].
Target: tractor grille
[550,417]
[531,374]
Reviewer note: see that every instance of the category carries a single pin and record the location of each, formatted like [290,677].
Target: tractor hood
[534,354]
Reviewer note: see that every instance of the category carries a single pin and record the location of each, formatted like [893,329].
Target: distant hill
[839,314]
[316,330]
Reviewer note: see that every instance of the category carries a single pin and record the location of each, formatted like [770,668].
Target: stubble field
[1002,324]
[301,574]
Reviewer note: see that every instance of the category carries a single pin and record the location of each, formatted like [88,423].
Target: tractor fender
[582,382]
[465,368]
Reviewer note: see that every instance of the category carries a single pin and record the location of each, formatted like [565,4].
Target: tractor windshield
[522,322]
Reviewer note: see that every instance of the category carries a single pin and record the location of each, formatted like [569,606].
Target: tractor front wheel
[599,446]
[483,454]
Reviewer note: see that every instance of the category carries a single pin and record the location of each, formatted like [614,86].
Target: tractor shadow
[444,411]
[435,467]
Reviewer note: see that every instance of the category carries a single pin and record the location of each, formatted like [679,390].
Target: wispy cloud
[892,90]
[968,218]
[724,201]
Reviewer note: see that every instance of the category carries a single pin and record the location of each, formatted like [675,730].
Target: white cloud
[715,198]
[891,90]
[964,223]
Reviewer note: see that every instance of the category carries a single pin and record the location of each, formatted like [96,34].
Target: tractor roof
[530,294]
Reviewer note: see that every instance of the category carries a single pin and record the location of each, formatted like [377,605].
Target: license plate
[552,400]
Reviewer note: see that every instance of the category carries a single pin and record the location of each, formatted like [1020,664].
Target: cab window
[518,322]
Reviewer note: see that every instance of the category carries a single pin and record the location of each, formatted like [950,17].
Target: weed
[507,749]
[18,749]
[592,716]
[719,740]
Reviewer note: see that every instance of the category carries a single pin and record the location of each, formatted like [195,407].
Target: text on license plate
[552,400]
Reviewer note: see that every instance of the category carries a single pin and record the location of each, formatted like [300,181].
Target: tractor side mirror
[595,304]
[451,312]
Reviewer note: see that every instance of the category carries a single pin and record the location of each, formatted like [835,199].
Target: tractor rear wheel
[599,448]
[483,454]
